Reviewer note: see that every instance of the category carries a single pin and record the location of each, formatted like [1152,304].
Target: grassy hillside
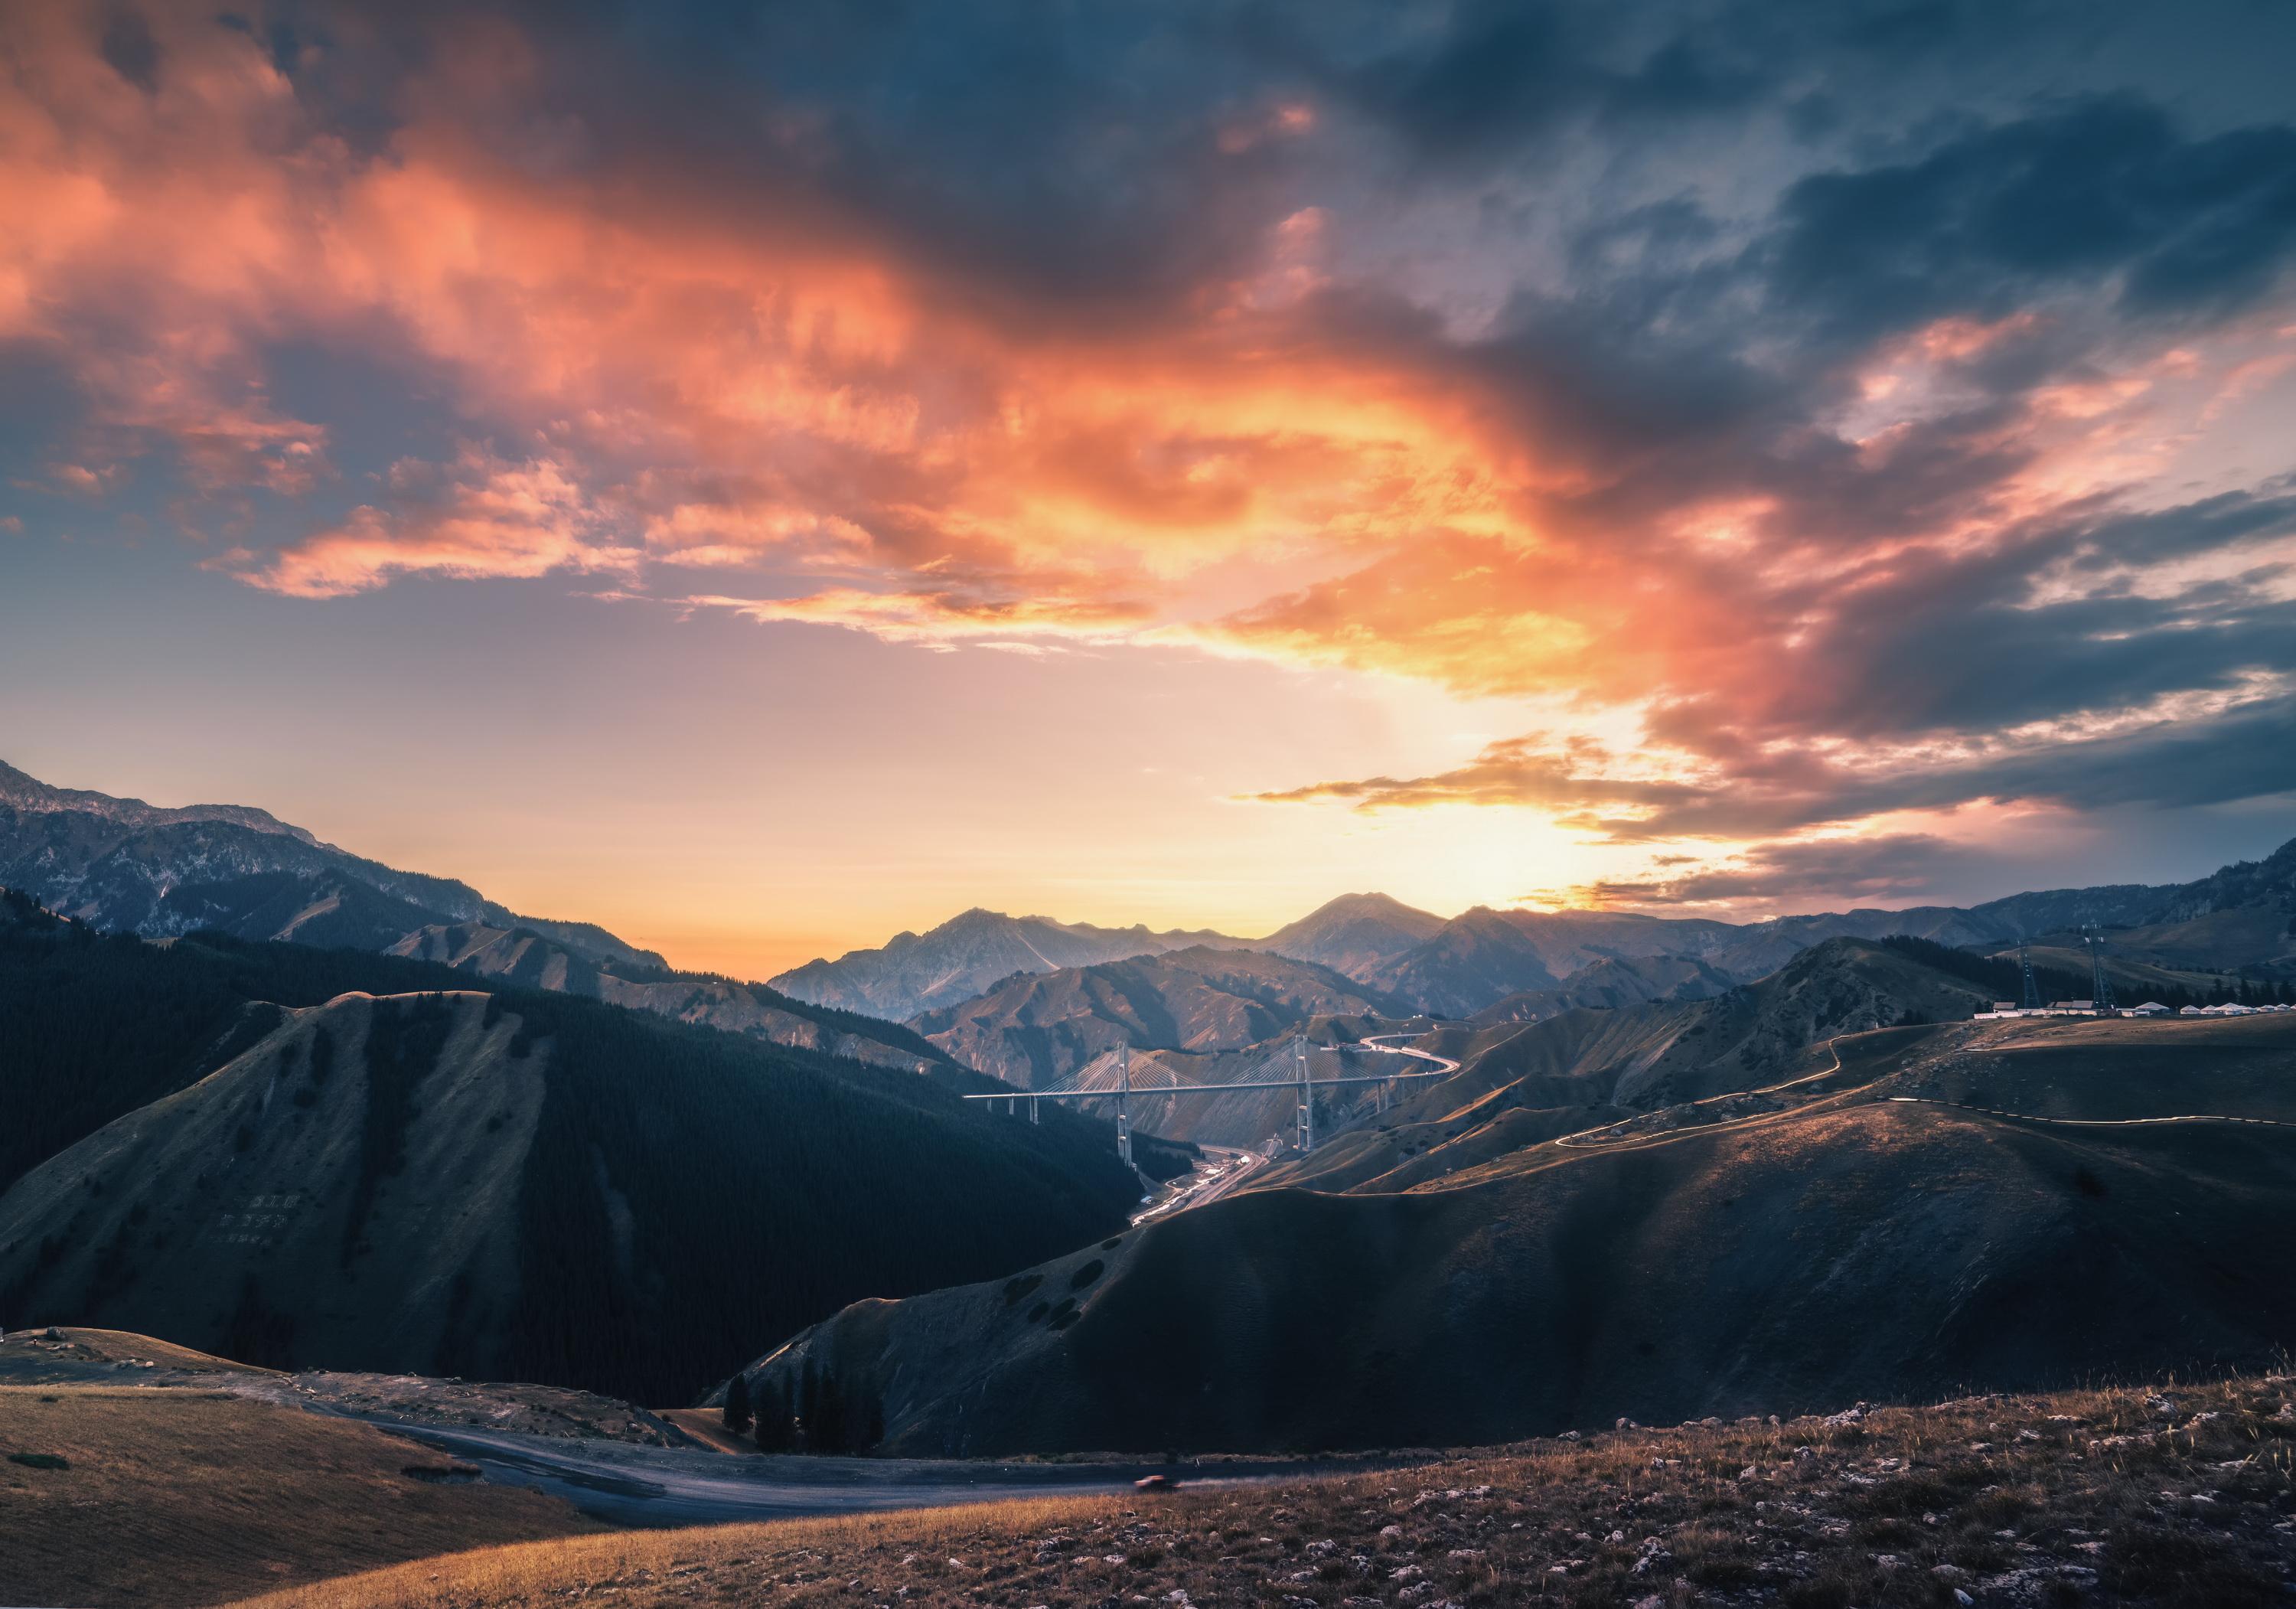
[513,1185]
[2112,1068]
[194,1497]
[2178,1498]
[98,1024]
[1850,1245]
[1520,1084]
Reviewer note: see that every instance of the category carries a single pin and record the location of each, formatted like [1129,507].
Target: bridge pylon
[1307,1096]
[1124,1104]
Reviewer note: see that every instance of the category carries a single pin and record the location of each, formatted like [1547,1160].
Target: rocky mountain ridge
[123,865]
[1459,965]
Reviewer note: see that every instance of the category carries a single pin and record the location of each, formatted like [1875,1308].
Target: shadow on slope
[507,1185]
[1883,1250]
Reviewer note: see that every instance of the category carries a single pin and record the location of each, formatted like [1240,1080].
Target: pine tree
[808,1406]
[737,1403]
[830,1415]
[776,1435]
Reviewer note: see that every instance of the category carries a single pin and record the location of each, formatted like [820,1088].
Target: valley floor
[2180,1496]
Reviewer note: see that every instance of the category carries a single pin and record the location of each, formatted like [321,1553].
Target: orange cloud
[1267,461]
[522,520]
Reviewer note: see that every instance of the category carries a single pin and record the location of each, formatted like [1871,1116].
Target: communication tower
[2100,988]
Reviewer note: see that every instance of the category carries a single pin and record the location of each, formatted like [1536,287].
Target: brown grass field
[2179,1496]
[184,1496]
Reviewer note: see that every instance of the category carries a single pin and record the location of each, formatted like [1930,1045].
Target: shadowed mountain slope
[966,955]
[1475,959]
[2240,919]
[1610,983]
[518,1186]
[1877,1250]
[1035,1029]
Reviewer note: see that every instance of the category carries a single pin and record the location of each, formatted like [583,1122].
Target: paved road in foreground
[627,1484]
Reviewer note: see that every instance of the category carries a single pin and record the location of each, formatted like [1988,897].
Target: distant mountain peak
[972,952]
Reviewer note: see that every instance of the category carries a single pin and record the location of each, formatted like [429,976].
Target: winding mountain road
[1371,1042]
[2087,1122]
[1604,1138]
[629,1484]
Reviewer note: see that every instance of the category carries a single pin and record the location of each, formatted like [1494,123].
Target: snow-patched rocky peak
[31,796]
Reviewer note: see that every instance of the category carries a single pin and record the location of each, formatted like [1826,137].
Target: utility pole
[1307,1097]
[1124,1104]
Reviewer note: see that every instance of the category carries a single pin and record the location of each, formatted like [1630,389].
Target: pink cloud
[499,520]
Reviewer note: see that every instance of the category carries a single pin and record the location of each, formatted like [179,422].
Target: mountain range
[2237,919]
[1035,1029]
[967,956]
[1772,1201]
[123,865]
[351,1115]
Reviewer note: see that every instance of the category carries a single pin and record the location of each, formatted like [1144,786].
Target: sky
[765,477]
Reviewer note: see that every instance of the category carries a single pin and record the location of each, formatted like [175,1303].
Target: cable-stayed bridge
[1296,1064]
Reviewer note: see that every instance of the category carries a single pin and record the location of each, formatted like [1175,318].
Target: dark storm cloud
[1085,156]
[2229,520]
[2105,190]
[1960,643]
[2246,753]
[130,49]
[1497,75]
[1893,867]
